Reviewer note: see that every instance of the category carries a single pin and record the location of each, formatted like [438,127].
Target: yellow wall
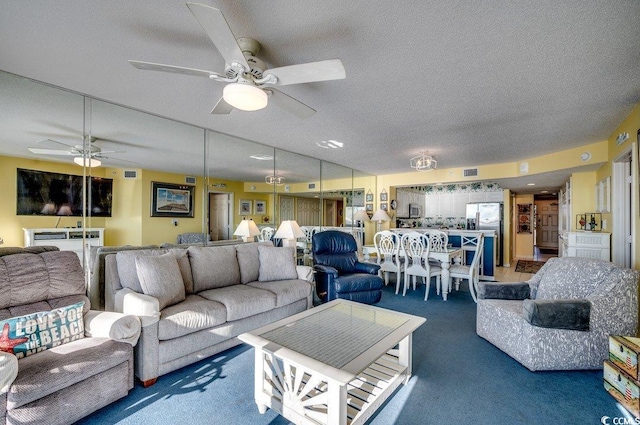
[523,247]
[583,198]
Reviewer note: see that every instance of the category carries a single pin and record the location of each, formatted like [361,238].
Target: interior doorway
[546,224]
[220,214]
[621,202]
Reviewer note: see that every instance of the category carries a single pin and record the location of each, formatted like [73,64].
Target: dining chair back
[387,246]
[266,234]
[438,240]
[415,251]
[470,272]
[306,242]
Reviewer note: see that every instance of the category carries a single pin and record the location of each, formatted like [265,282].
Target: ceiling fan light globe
[87,162]
[245,96]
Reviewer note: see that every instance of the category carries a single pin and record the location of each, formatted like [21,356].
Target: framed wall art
[524,218]
[171,200]
[245,207]
[261,207]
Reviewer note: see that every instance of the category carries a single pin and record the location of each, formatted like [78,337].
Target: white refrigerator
[487,216]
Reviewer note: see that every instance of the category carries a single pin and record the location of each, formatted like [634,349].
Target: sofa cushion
[127,271]
[30,278]
[182,257]
[287,291]
[160,277]
[63,366]
[242,300]
[570,279]
[249,260]
[193,314]
[213,267]
[277,263]
[36,332]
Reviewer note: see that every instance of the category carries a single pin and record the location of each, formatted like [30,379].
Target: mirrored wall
[161,178]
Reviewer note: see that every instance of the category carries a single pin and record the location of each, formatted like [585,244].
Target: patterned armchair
[562,317]
[192,238]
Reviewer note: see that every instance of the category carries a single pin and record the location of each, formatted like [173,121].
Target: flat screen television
[45,193]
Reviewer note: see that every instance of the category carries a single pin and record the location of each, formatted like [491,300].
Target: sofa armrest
[504,290]
[326,269]
[571,314]
[108,324]
[8,370]
[305,273]
[369,268]
[146,307]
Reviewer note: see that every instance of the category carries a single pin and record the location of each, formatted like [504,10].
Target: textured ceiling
[472,82]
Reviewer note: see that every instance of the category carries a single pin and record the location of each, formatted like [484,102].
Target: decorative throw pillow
[160,277]
[32,333]
[277,263]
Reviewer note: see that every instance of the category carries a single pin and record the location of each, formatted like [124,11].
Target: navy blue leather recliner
[339,274]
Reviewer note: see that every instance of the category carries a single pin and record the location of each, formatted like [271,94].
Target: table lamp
[380,216]
[247,229]
[289,231]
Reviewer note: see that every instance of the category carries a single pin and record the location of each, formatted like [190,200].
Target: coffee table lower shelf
[305,396]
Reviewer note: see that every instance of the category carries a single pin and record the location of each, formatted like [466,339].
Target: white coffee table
[332,364]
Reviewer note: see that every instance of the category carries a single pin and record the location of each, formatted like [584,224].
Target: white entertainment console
[65,239]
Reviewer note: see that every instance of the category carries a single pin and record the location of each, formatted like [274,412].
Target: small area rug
[525,266]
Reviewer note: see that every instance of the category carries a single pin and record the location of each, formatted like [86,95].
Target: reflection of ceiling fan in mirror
[250,84]
[90,157]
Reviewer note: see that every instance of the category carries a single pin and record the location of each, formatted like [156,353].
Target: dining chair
[387,246]
[266,234]
[470,272]
[415,251]
[306,242]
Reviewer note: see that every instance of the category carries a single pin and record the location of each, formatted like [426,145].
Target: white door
[547,224]
[622,214]
[287,208]
[219,216]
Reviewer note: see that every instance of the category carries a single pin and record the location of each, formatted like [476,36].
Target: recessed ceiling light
[333,144]
[544,191]
[531,184]
[262,157]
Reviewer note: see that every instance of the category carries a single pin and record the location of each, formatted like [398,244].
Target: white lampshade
[65,210]
[380,215]
[361,215]
[247,229]
[289,231]
[245,96]
[87,162]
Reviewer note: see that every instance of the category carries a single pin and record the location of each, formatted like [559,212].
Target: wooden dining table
[444,257]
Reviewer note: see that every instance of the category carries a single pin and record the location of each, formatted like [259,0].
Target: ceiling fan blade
[289,104]
[108,158]
[149,66]
[222,107]
[218,30]
[54,141]
[331,69]
[51,152]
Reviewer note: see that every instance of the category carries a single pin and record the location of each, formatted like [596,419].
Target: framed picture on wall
[369,207]
[261,207]
[524,218]
[383,206]
[171,200]
[245,207]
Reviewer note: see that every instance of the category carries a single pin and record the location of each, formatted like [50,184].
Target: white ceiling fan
[251,84]
[90,156]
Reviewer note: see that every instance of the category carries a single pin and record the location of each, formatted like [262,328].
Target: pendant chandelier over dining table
[424,162]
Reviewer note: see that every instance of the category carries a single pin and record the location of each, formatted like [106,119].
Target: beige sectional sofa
[208,296]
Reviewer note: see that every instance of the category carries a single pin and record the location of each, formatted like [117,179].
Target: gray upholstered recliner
[562,317]
[88,362]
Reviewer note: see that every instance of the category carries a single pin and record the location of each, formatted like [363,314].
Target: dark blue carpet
[458,377]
